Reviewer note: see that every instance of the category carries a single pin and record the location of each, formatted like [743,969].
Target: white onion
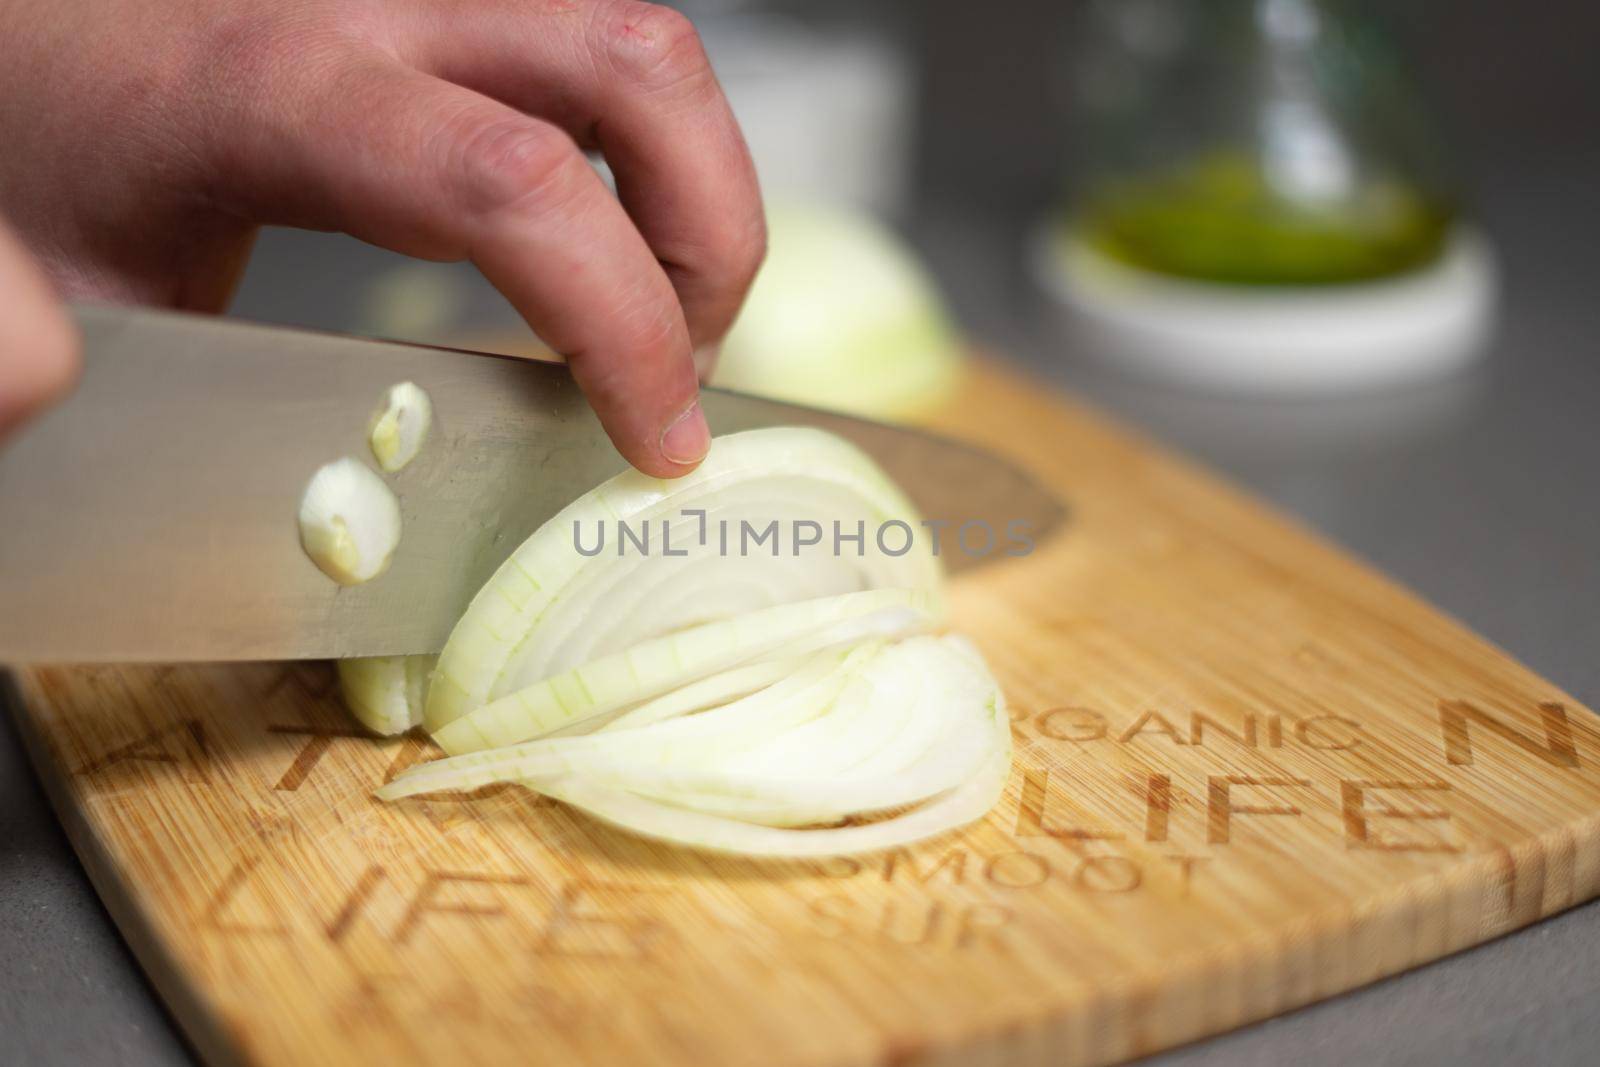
[386,692]
[399,427]
[349,522]
[710,692]
[844,316]
[549,609]
[661,664]
[748,705]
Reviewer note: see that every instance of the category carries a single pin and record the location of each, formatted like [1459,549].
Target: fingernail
[687,438]
[705,361]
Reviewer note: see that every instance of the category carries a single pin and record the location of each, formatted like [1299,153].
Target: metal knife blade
[153,515]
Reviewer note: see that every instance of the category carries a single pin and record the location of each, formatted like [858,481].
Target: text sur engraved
[1379,814]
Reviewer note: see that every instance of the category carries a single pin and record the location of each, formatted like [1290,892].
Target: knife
[153,516]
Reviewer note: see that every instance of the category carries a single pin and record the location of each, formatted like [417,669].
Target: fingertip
[60,363]
[685,440]
[40,349]
[51,368]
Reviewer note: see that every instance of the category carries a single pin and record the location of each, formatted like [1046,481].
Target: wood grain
[1250,774]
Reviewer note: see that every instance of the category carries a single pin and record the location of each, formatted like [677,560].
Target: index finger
[633,80]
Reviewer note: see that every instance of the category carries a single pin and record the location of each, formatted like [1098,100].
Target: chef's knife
[153,515]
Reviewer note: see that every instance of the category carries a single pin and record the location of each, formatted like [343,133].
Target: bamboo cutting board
[1250,774]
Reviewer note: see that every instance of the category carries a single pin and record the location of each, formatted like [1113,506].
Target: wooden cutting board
[1250,774]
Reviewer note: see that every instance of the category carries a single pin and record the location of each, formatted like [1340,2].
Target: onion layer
[400,426]
[386,692]
[349,522]
[916,729]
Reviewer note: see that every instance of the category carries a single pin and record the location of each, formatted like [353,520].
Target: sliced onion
[400,426]
[709,692]
[550,609]
[349,522]
[662,664]
[743,704]
[938,703]
[386,693]
[801,696]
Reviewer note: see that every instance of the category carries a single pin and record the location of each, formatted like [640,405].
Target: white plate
[1283,339]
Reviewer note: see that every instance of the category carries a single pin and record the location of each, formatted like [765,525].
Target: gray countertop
[1481,493]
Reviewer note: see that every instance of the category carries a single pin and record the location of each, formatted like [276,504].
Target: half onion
[795,701]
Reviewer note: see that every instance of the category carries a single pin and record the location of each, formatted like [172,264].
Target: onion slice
[398,429]
[386,692]
[658,666]
[349,522]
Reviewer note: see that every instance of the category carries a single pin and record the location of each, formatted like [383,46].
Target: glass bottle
[1255,142]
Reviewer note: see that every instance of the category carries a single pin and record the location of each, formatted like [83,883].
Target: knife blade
[153,515]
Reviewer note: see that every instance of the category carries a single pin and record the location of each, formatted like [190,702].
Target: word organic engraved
[1322,733]
[1197,729]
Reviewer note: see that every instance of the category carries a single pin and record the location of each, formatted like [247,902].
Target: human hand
[147,139]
